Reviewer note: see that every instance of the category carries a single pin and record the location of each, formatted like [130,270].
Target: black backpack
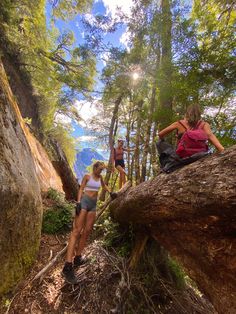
[170,161]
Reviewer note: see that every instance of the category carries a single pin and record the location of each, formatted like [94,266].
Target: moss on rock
[21,204]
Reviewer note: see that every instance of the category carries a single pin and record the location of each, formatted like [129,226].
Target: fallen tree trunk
[192,213]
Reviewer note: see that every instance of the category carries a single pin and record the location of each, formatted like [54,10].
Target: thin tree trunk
[129,129]
[153,158]
[112,132]
[137,143]
[165,65]
[149,167]
[132,169]
[146,149]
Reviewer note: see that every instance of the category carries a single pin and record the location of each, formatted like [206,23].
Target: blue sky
[105,7]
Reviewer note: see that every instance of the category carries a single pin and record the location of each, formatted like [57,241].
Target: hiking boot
[68,274]
[79,261]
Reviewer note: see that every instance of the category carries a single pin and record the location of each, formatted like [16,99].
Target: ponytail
[193,115]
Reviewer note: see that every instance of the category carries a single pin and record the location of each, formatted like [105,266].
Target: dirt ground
[104,285]
[50,293]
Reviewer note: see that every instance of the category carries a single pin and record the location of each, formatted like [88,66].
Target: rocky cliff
[52,172]
[25,172]
[46,173]
[20,206]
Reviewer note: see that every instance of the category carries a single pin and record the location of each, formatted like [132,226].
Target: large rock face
[46,173]
[22,90]
[20,200]
[57,174]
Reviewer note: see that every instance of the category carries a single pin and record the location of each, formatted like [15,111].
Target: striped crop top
[92,185]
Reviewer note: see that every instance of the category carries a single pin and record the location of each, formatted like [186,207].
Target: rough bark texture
[147,136]
[165,71]
[192,213]
[137,142]
[112,133]
[60,163]
[20,200]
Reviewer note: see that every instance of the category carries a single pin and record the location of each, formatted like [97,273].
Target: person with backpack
[192,135]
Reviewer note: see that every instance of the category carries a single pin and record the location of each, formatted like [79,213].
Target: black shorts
[120,162]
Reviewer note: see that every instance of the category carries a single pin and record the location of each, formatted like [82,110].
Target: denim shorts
[88,203]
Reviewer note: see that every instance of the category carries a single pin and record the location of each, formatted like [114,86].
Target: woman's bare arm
[82,186]
[168,130]
[129,150]
[212,138]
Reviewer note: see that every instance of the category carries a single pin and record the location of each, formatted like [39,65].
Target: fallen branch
[50,264]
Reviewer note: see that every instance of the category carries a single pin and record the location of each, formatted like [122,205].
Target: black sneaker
[69,275]
[79,260]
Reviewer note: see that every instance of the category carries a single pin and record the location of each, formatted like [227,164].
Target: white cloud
[228,108]
[87,111]
[90,18]
[124,5]
[125,39]
[61,118]
[86,138]
[105,57]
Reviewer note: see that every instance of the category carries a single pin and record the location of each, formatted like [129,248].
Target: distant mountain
[84,158]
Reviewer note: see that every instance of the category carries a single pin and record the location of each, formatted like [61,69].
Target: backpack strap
[200,124]
[183,125]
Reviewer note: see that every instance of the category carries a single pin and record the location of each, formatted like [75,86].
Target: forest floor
[105,286]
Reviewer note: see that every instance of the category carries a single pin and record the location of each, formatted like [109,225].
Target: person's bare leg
[77,227]
[90,219]
[124,177]
[121,173]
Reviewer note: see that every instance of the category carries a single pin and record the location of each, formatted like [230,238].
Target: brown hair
[98,164]
[193,115]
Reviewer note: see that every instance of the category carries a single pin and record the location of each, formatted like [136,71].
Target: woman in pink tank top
[192,120]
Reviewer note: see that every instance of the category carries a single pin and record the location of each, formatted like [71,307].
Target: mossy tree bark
[192,213]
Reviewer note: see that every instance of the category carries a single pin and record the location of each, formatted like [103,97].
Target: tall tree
[165,76]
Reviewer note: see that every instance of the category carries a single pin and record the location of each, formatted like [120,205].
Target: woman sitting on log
[192,135]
